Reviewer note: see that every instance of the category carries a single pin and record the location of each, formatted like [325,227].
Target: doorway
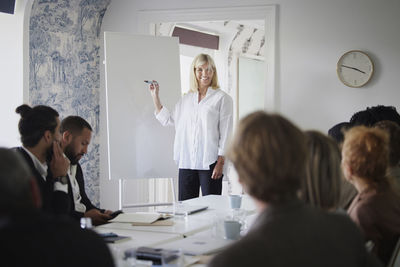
[162,22]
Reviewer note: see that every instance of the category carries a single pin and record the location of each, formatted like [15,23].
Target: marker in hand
[150,82]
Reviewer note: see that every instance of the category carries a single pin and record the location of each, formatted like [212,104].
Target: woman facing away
[203,122]
[393,129]
[376,208]
[322,185]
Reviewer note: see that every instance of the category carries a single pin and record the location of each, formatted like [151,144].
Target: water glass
[179,210]
[232,229]
[235,201]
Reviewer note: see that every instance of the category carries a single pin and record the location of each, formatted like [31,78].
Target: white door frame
[147,19]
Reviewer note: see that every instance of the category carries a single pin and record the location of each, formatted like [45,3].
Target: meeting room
[213,133]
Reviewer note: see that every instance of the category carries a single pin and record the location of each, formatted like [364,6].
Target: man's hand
[108,212]
[59,164]
[97,216]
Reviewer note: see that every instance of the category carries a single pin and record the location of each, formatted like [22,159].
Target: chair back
[395,259]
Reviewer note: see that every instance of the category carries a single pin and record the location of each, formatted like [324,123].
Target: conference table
[201,225]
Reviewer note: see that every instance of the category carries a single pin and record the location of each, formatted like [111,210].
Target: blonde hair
[321,187]
[269,154]
[199,60]
[365,151]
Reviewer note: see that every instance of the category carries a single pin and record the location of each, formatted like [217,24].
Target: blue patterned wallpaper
[64,66]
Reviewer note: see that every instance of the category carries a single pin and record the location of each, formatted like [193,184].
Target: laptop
[186,209]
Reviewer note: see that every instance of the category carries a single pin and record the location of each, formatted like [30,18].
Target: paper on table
[193,245]
[139,217]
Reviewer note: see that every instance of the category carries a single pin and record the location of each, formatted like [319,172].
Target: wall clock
[355,68]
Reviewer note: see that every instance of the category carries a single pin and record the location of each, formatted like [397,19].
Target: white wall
[311,36]
[11,72]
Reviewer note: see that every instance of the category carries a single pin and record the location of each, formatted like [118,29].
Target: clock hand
[352,68]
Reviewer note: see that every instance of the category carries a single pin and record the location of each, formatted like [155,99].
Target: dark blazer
[45,240]
[52,201]
[295,234]
[85,200]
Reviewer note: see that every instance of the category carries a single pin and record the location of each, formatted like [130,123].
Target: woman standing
[203,122]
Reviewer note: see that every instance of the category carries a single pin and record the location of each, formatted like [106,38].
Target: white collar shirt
[201,128]
[40,167]
[79,206]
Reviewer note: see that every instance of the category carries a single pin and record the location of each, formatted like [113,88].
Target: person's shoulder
[244,252]
[340,224]
[222,95]
[187,95]
[19,150]
[55,240]
[220,91]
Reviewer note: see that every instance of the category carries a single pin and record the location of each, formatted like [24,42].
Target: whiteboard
[138,146]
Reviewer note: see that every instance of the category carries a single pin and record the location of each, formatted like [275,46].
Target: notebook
[187,209]
[140,218]
[198,245]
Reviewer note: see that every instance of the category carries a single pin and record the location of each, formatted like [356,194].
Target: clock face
[355,68]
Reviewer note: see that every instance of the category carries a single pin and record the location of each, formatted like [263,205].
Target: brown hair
[321,187]
[269,154]
[366,152]
[393,130]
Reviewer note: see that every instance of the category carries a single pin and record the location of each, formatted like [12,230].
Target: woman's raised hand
[154,88]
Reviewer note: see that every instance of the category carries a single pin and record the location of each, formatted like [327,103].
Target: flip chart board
[138,145]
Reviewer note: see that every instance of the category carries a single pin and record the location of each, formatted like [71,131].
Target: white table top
[194,223]
[197,225]
[183,227]
[221,203]
[139,238]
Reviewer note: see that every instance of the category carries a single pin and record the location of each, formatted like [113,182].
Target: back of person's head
[321,187]
[365,150]
[200,60]
[393,130]
[269,154]
[372,115]
[337,131]
[34,122]
[74,125]
[15,184]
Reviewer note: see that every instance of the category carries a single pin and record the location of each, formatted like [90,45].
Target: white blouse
[201,129]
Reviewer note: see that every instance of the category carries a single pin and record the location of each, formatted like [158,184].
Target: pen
[150,82]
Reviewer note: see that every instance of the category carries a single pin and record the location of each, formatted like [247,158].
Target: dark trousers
[191,180]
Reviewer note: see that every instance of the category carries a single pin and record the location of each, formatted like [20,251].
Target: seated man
[76,135]
[30,237]
[40,136]
[269,154]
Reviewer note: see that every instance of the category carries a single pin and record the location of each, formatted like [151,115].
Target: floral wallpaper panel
[64,67]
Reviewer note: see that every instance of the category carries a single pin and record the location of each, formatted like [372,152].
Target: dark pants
[191,180]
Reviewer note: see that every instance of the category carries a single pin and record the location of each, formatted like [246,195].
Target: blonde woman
[376,208]
[203,122]
[322,185]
